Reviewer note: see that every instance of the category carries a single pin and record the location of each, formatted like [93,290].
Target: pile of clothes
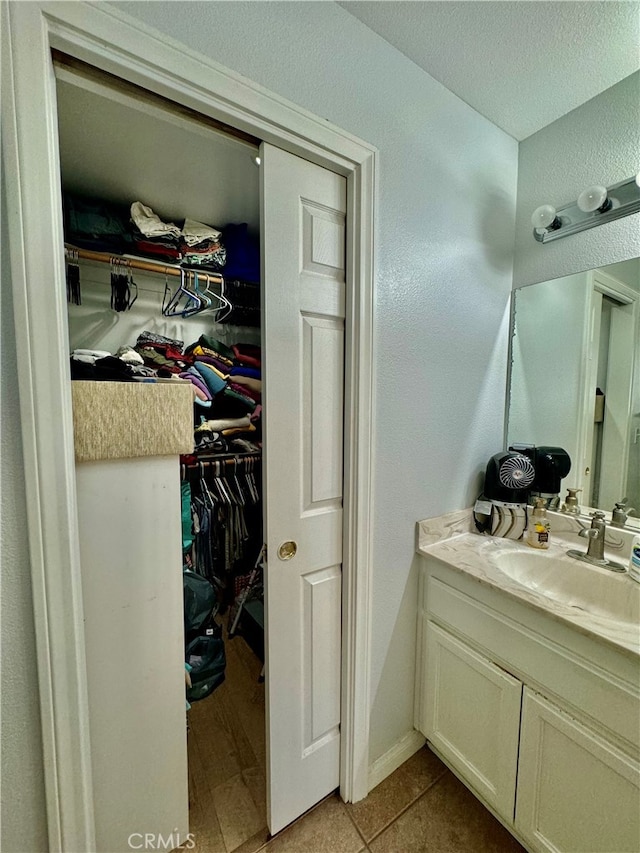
[125,366]
[227,383]
[97,225]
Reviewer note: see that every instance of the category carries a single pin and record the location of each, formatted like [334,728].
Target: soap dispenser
[571,502]
[538,529]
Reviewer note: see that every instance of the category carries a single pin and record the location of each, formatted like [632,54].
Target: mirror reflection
[575,379]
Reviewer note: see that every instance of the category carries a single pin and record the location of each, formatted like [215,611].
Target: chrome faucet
[620,513]
[595,549]
[595,534]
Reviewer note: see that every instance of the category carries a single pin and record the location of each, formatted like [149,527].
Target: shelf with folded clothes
[101,226]
[104,226]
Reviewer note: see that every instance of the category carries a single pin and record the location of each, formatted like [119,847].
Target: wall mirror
[575,378]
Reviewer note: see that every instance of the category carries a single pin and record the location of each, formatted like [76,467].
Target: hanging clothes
[226,513]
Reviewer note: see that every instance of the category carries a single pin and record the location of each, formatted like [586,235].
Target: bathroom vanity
[528,685]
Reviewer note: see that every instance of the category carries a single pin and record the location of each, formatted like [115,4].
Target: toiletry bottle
[634,559]
[538,529]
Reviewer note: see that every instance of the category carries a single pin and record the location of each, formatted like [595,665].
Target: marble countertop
[452,539]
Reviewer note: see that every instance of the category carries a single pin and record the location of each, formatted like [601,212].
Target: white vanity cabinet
[540,721]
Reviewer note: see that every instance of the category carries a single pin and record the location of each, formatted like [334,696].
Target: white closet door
[303,234]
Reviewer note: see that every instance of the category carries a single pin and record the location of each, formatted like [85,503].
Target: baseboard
[394,757]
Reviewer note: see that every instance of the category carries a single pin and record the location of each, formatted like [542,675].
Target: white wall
[597,143]
[22,821]
[444,263]
[627,272]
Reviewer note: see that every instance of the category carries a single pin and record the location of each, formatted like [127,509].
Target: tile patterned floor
[420,807]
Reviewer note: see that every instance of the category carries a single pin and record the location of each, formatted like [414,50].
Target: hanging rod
[242,460]
[197,459]
[138,264]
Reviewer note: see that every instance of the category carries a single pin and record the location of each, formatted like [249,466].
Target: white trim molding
[111,41]
[395,757]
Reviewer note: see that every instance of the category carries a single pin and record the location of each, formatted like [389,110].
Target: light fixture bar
[624,199]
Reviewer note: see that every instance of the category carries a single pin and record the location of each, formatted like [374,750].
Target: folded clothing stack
[95,224]
[243,253]
[194,245]
[227,382]
[119,229]
[162,354]
[201,246]
[99,365]
[152,237]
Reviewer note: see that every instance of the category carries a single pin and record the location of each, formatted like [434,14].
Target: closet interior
[161,215]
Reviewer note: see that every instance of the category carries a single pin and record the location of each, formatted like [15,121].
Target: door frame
[116,43]
[600,283]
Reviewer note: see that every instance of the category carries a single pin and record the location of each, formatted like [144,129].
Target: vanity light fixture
[594,198]
[545,217]
[595,206]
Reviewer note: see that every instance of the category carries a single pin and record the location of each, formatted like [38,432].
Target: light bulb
[593,198]
[544,217]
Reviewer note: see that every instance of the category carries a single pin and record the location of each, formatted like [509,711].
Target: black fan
[508,478]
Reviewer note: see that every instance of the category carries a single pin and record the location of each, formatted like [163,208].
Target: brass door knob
[287,550]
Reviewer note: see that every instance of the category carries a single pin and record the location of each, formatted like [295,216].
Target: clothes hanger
[131,284]
[222,300]
[192,290]
[172,308]
[120,292]
[238,488]
[225,303]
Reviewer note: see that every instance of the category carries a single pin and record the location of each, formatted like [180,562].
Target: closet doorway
[256,761]
[114,43]
[612,346]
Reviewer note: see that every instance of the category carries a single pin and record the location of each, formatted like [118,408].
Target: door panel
[303,237]
[321,593]
[323,360]
[473,716]
[576,792]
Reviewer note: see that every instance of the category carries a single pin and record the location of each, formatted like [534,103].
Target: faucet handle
[589,533]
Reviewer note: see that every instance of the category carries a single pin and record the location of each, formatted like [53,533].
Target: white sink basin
[575,584]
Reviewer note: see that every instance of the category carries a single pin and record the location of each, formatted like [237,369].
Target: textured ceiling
[521,63]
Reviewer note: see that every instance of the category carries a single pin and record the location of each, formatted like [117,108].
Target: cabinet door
[472,717]
[576,792]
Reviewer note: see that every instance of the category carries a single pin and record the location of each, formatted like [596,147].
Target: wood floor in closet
[227,758]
